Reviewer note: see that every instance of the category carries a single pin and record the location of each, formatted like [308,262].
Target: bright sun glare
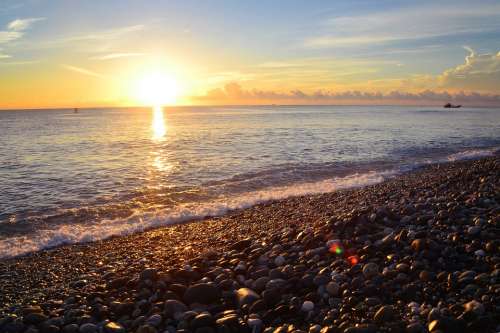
[156,89]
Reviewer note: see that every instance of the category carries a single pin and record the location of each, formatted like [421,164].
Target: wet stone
[202,320]
[113,327]
[384,314]
[370,270]
[148,274]
[201,293]
[173,307]
[88,328]
[246,296]
[146,329]
[35,318]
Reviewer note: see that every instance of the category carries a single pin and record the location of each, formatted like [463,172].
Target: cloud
[23,24]
[86,41]
[15,29]
[82,71]
[223,77]
[18,63]
[479,71]
[406,23]
[9,36]
[233,93]
[3,55]
[117,55]
[278,64]
[108,34]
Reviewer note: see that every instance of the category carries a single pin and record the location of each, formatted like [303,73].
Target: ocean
[69,177]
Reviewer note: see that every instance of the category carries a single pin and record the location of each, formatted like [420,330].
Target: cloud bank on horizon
[226,52]
[478,71]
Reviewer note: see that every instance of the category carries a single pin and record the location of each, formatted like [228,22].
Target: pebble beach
[416,253]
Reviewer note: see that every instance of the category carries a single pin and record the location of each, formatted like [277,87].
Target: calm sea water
[70,177]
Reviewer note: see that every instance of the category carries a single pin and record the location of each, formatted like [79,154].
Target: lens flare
[353,260]
[336,249]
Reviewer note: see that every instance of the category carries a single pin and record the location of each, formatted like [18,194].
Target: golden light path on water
[158,126]
[159,134]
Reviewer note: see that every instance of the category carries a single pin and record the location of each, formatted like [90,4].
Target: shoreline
[363,219]
[77,230]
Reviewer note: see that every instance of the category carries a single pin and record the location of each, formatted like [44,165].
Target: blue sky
[270,45]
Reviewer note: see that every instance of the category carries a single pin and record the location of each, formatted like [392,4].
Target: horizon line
[224,105]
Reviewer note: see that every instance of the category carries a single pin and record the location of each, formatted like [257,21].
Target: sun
[156,89]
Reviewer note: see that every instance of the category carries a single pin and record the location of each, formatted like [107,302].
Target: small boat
[451,106]
[75,110]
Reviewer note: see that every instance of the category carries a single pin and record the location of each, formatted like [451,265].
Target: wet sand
[415,253]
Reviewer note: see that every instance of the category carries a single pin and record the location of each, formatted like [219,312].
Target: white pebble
[332,242]
[307,306]
[254,322]
[279,261]
[480,253]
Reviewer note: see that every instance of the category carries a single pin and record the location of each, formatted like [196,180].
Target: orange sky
[226,53]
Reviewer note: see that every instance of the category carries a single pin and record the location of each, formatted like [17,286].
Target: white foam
[98,230]
[472,154]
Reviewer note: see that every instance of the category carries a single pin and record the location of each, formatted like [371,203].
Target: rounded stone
[333,288]
[70,328]
[474,307]
[246,296]
[35,318]
[254,322]
[370,270]
[279,261]
[202,293]
[202,320]
[173,307]
[88,328]
[154,320]
[146,329]
[148,274]
[307,306]
[113,327]
[275,284]
[384,314]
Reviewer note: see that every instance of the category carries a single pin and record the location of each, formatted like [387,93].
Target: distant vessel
[75,110]
[451,106]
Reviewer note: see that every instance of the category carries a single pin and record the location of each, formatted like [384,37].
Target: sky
[62,53]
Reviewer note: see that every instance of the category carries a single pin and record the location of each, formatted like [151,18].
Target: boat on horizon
[451,106]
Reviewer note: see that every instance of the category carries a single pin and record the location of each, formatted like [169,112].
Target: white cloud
[277,64]
[23,24]
[19,63]
[8,36]
[479,71]
[117,55]
[16,29]
[82,71]
[103,35]
[409,23]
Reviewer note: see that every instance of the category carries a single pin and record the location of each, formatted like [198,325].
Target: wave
[98,230]
[106,228]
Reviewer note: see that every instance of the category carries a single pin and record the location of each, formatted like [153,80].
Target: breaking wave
[106,228]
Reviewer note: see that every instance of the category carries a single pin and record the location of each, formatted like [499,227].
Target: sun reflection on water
[158,126]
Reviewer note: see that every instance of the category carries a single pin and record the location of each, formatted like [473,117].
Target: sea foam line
[99,230]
